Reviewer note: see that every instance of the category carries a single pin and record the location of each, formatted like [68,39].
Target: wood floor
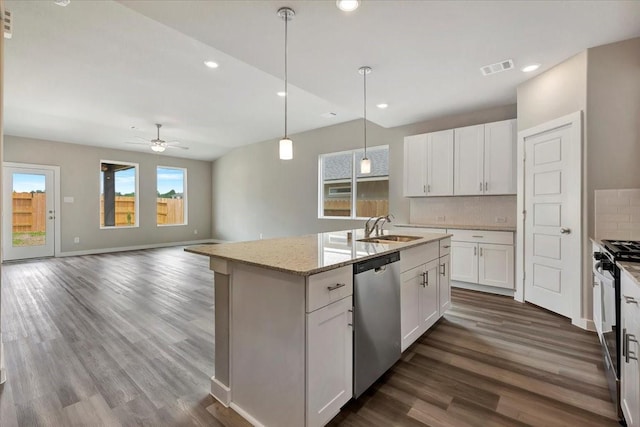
[127,339]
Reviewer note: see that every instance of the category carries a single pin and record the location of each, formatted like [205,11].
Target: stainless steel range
[606,314]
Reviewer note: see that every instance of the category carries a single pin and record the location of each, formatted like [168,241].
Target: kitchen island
[284,316]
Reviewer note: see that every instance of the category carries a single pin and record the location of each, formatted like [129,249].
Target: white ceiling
[87,72]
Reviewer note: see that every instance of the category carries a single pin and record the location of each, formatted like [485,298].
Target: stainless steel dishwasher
[376,319]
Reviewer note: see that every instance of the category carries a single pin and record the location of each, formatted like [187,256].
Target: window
[171,203]
[346,193]
[118,194]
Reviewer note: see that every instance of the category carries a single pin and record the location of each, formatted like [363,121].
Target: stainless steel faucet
[367,229]
[378,229]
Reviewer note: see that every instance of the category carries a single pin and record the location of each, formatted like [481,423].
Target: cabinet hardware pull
[428,188]
[446,246]
[475,250]
[480,251]
[624,343]
[480,186]
[486,186]
[424,189]
[630,300]
[425,279]
[630,355]
[443,269]
[478,237]
[337,286]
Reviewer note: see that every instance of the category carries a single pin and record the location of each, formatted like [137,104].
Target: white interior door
[28,213]
[552,237]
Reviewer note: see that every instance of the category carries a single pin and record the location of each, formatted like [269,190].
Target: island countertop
[313,253]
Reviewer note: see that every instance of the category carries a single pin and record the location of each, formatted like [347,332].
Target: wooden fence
[364,208]
[29,212]
[168,211]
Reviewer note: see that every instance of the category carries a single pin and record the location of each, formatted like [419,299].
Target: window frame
[136,167]
[185,198]
[354,182]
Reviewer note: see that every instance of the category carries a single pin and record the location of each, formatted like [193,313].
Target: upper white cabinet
[473,160]
[415,166]
[500,157]
[485,159]
[440,163]
[428,164]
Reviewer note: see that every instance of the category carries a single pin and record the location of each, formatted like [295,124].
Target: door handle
[565,230]
[51,217]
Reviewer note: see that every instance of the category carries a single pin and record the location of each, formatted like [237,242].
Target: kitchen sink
[389,239]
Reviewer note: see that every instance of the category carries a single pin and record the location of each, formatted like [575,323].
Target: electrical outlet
[441,218]
[76,240]
[501,219]
[195,231]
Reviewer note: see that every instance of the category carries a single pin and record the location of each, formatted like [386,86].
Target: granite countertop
[461,226]
[310,254]
[633,268]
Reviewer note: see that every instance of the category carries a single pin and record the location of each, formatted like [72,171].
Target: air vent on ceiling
[498,67]
[6,24]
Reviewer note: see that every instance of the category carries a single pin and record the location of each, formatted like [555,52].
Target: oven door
[604,301]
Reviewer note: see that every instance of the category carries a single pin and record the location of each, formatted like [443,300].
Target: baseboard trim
[244,414]
[221,392]
[586,324]
[482,288]
[136,247]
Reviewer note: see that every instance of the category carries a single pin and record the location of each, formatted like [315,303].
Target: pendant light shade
[286,149]
[365,163]
[286,144]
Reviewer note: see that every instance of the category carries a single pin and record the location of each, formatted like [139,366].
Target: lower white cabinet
[425,294]
[483,257]
[629,369]
[329,361]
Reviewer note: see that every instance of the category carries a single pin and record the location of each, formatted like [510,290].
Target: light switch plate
[68,199]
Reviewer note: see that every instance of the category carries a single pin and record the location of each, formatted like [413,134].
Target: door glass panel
[29,204]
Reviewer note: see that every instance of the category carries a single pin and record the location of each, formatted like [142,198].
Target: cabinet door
[468,167]
[464,261]
[329,379]
[444,285]
[495,265]
[500,157]
[415,166]
[410,291]
[440,163]
[429,296]
[629,369]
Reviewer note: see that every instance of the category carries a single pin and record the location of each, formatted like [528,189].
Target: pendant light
[365,163]
[286,144]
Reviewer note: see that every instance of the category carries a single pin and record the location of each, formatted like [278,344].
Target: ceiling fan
[158,145]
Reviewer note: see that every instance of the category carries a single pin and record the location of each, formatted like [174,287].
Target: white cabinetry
[415,165]
[485,159]
[629,369]
[329,349]
[483,257]
[425,293]
[428,164]
[473,160]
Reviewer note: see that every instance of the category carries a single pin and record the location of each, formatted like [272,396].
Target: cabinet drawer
[329,286]
[413,257]
[480,236]
[445,247]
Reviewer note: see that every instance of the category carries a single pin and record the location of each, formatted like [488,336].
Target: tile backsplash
[473,210]
[617,214]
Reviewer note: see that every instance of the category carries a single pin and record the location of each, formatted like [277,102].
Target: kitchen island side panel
[268,345]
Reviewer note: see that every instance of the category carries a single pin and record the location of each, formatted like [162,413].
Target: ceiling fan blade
[139,137]
[136,143]
[175,146]
[173,142]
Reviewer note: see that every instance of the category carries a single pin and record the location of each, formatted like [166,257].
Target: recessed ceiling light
[211,64]
[348,5]
[282,94]
[62,2]
[382,106]
[530,68]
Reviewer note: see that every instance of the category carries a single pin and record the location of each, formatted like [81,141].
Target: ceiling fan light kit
[157,145]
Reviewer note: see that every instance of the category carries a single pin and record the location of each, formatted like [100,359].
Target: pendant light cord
[365,113]
[286,87]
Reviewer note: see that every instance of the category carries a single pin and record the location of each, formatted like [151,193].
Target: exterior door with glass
[29,213]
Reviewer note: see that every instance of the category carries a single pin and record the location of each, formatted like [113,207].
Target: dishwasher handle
[377,264]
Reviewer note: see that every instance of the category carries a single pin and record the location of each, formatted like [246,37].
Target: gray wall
[79,177]
[254,192]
